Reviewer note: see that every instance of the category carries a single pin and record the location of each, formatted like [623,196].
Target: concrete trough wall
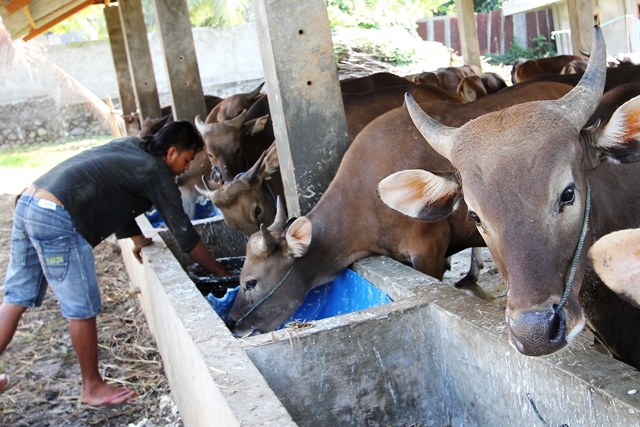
[434,356]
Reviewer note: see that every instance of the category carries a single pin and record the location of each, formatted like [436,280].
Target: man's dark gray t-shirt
[105,188]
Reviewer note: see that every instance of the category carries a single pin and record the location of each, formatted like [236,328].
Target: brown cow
[574,67]
[371,82]
[616,259]
[541,188]
[201,166]
[536,67]
[447,78]
[477,86]
[350,222]
[616,76]
[250,199]
[234,145]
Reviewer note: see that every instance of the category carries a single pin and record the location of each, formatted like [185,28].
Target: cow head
[246,201]
[269,283]
[224,142]
[233,105]
[523,173]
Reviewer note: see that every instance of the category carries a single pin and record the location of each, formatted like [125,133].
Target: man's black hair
[181,134]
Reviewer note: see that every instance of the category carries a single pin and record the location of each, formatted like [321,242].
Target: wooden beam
[16,5]
[36,32]
[25,10]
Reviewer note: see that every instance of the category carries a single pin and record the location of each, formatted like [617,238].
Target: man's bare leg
[10,315]
[95,390]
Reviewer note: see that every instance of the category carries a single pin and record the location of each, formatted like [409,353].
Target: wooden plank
[174,28]
[304,96]
[120,62]
[16,5]
[44,27]
[139,58]
[470,46]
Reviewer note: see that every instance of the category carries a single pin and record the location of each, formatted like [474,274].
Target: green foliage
[88,24]
[47,155]
[384,29]
[543,49]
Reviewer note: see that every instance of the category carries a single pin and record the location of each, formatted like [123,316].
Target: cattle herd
[541,172]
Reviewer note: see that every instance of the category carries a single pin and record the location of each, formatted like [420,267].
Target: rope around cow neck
[576,257]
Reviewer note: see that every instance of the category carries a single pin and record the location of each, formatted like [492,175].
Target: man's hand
[139,243]
[202,256]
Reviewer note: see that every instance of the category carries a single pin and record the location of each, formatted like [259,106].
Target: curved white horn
[281,216]
[581,102]
[436,134]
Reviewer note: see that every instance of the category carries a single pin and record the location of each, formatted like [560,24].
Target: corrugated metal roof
[27,18]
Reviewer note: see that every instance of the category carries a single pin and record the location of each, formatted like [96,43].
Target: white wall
[226,56]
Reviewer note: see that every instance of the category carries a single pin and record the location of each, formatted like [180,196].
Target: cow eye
[475,217]
[568,197]
[257,211]
[250,284]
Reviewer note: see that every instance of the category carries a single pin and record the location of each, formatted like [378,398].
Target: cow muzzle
[537,333]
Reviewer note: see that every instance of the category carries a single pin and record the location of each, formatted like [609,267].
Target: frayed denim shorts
[47,249]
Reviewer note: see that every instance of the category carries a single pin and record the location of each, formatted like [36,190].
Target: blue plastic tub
[346,294]
[204,209]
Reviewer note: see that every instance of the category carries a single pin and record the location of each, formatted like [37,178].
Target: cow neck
[332,233]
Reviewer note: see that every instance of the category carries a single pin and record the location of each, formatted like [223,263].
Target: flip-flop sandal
[5,382]
[124,392]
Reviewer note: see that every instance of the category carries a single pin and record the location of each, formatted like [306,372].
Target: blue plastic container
[204,209]
[346,294]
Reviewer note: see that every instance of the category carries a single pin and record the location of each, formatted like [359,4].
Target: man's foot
[5,381]
[110,395]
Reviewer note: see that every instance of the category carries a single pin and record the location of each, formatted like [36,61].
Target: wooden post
[468,32]
[305,100]
[119,53]
[139,57]
[174,28]
[581,25]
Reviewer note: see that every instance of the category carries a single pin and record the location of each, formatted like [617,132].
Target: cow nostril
[557,326]
[230,324]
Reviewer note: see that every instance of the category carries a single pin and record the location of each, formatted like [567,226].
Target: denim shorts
[47,249]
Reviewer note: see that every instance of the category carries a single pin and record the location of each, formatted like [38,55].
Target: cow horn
[436,134]
[239,120]
[252,173]
[266,244]
[255,93]
[581,102]
[206,192]
[281,216]
[201,126]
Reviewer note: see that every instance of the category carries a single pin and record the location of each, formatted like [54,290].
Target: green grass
[47,155]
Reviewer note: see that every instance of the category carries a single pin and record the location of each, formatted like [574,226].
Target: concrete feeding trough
[434,356]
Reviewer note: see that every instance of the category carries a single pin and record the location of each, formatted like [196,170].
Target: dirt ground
[44,373]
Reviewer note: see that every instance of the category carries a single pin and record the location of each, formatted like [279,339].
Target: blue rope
[576,257]
[533,405]
[268,295]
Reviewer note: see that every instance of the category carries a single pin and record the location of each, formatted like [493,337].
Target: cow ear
[620,139]
[616,259]
[299,237]
[420,194]
[255,126]
[270,162]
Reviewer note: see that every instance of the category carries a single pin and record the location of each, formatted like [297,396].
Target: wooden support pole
[120,62]
[301,80]
[468,32]
[139,58]
[581,24]
[174,28]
